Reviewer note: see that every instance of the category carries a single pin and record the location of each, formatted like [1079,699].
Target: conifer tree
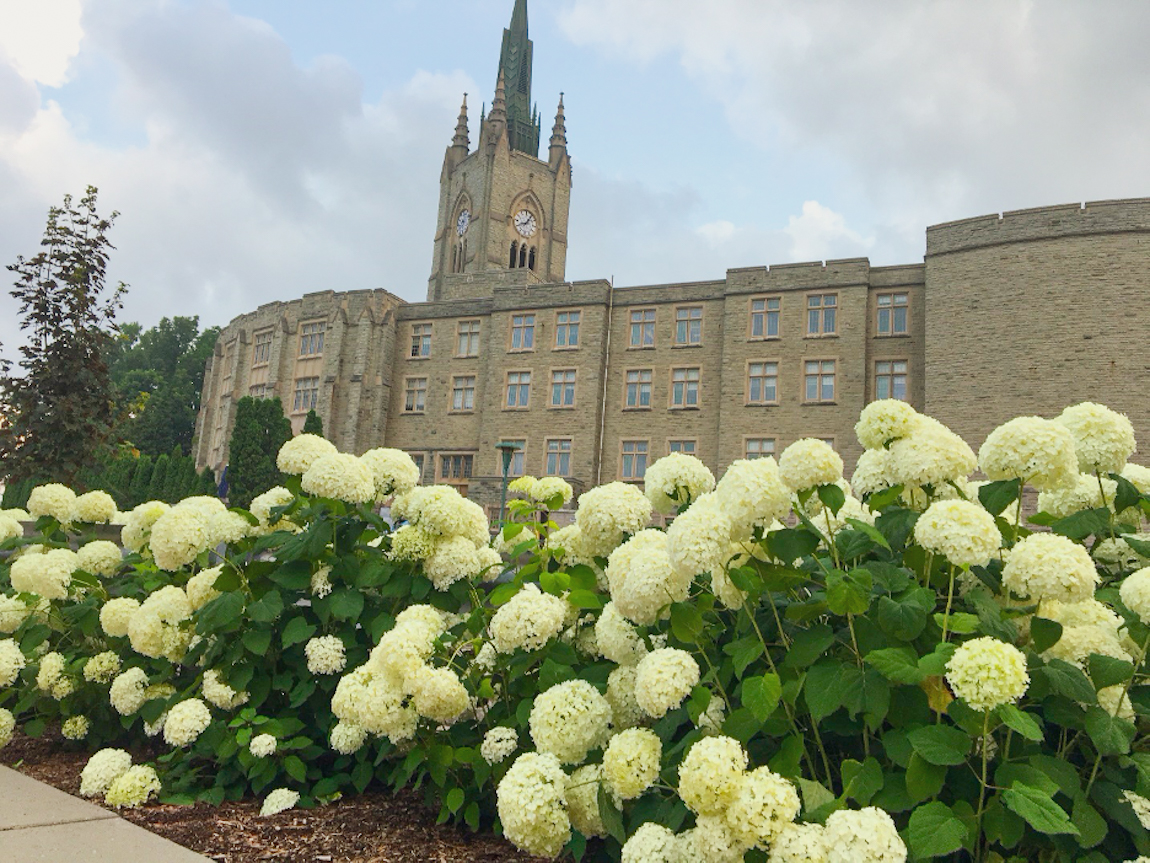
[156,487]
[260,430]
[141,479]
[313,424]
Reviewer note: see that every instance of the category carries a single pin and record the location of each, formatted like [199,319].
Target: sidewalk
[40,823]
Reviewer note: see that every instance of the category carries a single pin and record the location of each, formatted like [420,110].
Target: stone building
[1020,313]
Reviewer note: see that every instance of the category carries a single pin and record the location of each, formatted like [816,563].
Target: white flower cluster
[652,843]
[616,638]
[625,710]
[987,673]
[10,528]
[1134,592]
[325,655]
[263,746]
[7,726]
[347,738]
[872,472]
[663,678]
[1103,439]
[809,462]
[393,471]
[438,694]
[75,728]
[201,587]
[154,628]
[340,476]
[884,421]
[710,774]
[1087,627]
[753,495]
[532,803]
[186,721]
[675,480]
[931,455]
[583,800]
[116,614]
[699,540]
[52,499]
[962,532]
[51,677]
[48,574]
[1032,449]
[568,545]
[1049,566]
[14,611]
[192,526]
[128,691]
[631,761]
[100,557]
[447,531]
[528,620]
[102,770]
[219,693]
[263,504]
[863,836]
[569,720]
[12,661]
[543,490]
[110,772]
[279,800]
[301,452]
[137,530]
[94,507]
[499,744]
[1080,491]
[609,512]
[642,580]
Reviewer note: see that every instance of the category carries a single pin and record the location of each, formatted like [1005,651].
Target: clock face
[525,223]
[462,222]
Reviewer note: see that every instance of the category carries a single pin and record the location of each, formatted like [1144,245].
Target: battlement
[1039,223]
[839,272]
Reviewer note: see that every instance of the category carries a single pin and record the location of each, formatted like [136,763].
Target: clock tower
[502,209]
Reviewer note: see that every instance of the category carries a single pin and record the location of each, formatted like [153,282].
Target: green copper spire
[515,66]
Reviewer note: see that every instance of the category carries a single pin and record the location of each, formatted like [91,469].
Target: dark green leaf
[228,579]
[832,497]
[923,779]
[1023,723]
[346,604]
[267,608]
[848,593]
[861,781]
[896,525]
[940,744]
[997,496]
[1044,633]
[1092,827]
[790,544]
[761,695]
[1127,495]
[295,768]
[905,618]
[222,614]
[743,652]
[808,645]
[1038,810]
[454,800]
[1111,735]
[586,599]
[1140,546]
[1066,679]
[1107,671]
[958,621]
[899,664]
[257,641]
[935,831]
[297,630]
[823,689]
[1087,522]
[686,622]
[1009,774]
[612,818]
[871,531]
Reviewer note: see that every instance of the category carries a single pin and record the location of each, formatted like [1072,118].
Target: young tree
[260,430]
[313,423]
[59,414]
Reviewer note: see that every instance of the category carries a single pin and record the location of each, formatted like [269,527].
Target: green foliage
[60,412]
[313,424]
[260,430]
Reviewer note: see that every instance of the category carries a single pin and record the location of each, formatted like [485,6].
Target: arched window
[523,255]
[514,255]
[531,259]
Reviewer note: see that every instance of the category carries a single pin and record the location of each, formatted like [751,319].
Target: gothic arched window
[531,259]
[514,255]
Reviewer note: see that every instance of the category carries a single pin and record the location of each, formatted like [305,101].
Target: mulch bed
[375,827]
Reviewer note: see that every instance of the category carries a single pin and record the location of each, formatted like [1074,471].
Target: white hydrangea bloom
[411,543]
[14,611]
[340,476]
[532,803]
[642,580]
[569,720]
[263,745]
[116,615]
[528,620]
[962,532]
[711,841]
[102,770]
[47,574]
[752,494]
[699,540]
[548,488]
[499,744]
[1032,449]
[1137,475]
[12,661]
[127,691]
[884,421]
[347,738]
[631,761]
[95,507]
[279,800]
[325,655]
[263,504]
[583,800]
[764,804]
[52,499]
[652,843]
[186,721]
[133,787]
[137,530]
[625,710]
[608,512]
[1048,566]
[568,544]
[617,638]
[452,559]
[872,472]
[102,667]
[1135,593]
[809,462]
[800,843]
[51,677]
[154,629]
[675,480]
[217,692]
[865,836]
[7,726]
[439,695]
[1080,492]
[393,470]
[1103,439]
[201,587]
[663,678]
[10,528]
[374,700]
[710,774]
[75,727]
[301,452]
[1078,642]
[986,673]
[179,535]
[100,557]
[1115,701]
[931,455]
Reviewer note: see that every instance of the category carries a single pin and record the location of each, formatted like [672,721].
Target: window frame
[560,455]
[646,458]
[644,326]
[891,309]
[687,322]
[821,332]
[766,313]
[520,385]
[748,400]
[418,339]
[566,327]
[819,400]
[523,329]
[892,374]
[693,441]
[650,383]
[308,338]
[560,406]
[465,409]
[262,339]
[408,388]
[774,441]
[465,477]
[674,405]
[297,389]
[472,336]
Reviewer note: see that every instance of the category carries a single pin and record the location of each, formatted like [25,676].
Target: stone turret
[558,150]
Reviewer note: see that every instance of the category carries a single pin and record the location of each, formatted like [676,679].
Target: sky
[257,150]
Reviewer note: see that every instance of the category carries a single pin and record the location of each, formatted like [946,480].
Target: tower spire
[559,130]
[515,68]
[462,138]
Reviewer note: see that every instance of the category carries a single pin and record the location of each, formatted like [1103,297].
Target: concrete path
[41,824]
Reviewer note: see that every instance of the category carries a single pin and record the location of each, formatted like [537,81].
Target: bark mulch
[375,827]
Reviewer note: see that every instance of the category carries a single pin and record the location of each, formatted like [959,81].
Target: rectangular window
[516,467]
[306,395]
[456,466]
[262,350]
[417,457]
[634,460]
[468,342]
[765,317]
[523,332]
[689,325]
[258,391]
[890,379]
[414,395]
[892,315]
[762,383]
[563,388]
[685,388]
[421,340]
[558,457]
[759,447]
[518,389]
[311,339]
[567,329]
[643,328]
[463,393]
[821,309]
[638,394]
[819,379]
[687,447]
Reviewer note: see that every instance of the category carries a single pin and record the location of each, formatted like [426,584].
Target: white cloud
[40,37]
[820,233]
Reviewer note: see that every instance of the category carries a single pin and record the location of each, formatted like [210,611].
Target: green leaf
[959,622]
[1087,522]
[1008,775]
[586,599]
[1140,546]
[1038,810]
[898,664]
[848,593]
[1108,671]
[776,578]
[294,575]
[808,645]
[1092,827]
[905,618]
[1110,735]
[861,781]
[612,818]
[1023,723]
[346,604]
[934,663]
[815,795]
[257,641]
[761,695]
[222,614]
[940,744]
[1066,679]
[743,652]
[832,497]
[923,779]
[267,608]
[789,544]
[1044,633]
[555,583]
[935,831]
[896,525]
[997,496]
[295,768]
[297,630]
[454,800]
[686,622]
[823,689]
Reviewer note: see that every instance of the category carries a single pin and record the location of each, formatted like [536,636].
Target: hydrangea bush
[908,666]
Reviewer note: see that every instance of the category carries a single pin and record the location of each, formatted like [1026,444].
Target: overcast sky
[261,149]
